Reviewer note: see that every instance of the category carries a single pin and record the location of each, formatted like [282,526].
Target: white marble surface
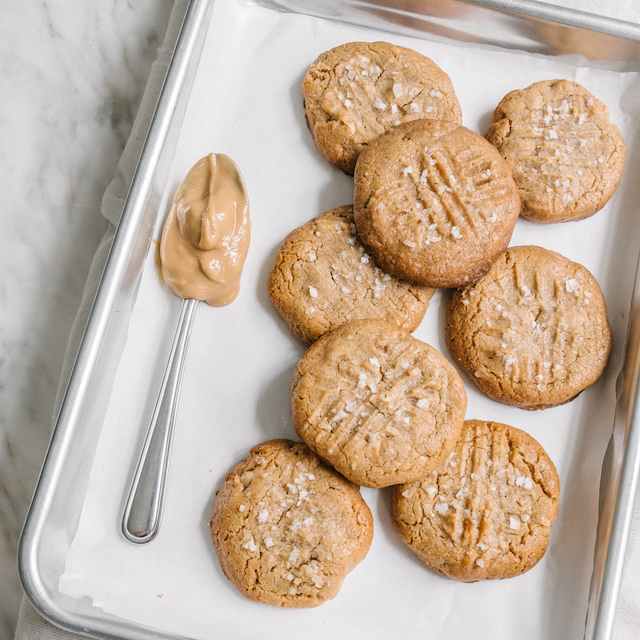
[72,77]
[73,73]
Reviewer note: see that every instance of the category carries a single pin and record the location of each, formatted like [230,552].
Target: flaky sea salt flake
[571,285]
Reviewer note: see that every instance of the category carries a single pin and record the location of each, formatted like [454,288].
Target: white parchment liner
[247,103]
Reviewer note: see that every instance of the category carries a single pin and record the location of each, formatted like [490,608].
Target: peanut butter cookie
[379,405]
[435,203]
[287,528]
[322,277]
[357,91]
[567,157]
[487,512]
[533,332]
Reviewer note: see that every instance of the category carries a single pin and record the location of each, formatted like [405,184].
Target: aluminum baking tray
[538,33]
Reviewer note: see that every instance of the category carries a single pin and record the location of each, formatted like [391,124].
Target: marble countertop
[73,76]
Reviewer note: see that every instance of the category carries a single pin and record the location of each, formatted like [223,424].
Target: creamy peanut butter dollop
[206,236]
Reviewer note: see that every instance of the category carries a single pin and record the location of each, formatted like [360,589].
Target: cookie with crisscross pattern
[533,332]
[434,202]
[322,277]
[487,512]
[567,157]
[379,405]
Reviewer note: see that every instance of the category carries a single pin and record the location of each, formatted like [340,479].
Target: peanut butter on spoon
[206,236]
[203,248]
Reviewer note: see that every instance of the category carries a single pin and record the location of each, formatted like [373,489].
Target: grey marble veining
[72,77]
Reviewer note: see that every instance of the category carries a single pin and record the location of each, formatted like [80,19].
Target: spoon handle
[143,507]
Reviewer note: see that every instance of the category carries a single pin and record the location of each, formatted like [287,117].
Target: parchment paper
[247,103]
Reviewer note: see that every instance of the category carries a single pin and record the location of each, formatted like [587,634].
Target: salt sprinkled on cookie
[342,282]
[491,514]
[400,403]
[357,91]
[288,536]
[567,157]
[552,344]
[443,223]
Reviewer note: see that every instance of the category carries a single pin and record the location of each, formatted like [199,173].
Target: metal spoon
[143,508]
[210,211]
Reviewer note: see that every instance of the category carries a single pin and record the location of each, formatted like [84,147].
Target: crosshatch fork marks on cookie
[458,190]
[487,512]
[534,331]
[377,403]
[435,202]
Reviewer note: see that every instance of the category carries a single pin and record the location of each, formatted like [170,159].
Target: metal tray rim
[112,278]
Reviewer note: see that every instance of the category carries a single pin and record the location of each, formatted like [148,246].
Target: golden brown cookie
[322,277]
[379,405]
[435,203]
[487,512]
[357,91]
[567,157]
[287,528]
[533,332]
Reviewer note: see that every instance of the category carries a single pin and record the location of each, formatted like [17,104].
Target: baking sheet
[246,102]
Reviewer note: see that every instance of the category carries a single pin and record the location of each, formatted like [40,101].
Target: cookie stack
[434,206]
